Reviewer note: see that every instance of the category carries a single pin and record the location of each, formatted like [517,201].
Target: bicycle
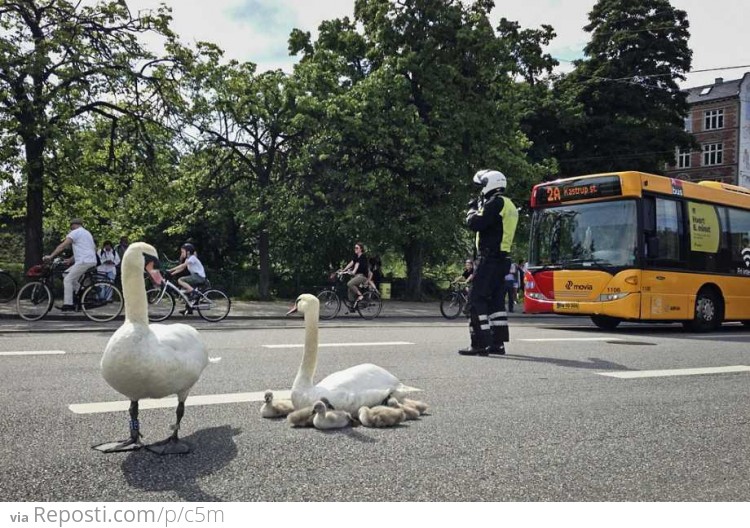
[368,307]
[212,304]
[452,303]
[97,296]
[8,287]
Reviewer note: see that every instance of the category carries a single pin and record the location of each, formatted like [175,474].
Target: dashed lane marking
[203,399]
[633,374]
[33,353]
[540,339]
[381,343]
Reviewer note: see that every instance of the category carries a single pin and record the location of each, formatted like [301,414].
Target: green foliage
[633,109]
[373,138]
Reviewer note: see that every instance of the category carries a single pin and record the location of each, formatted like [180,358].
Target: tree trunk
[264,287]
[413,254]
[34,202]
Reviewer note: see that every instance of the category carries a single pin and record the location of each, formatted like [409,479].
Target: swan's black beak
[293,309]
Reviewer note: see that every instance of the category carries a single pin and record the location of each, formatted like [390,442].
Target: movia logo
[570,285]
[746,256]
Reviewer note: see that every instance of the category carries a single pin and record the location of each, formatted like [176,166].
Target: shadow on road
[213,449]
[591,364]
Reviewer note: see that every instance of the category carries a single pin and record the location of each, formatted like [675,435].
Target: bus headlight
[613,296]
[536,296]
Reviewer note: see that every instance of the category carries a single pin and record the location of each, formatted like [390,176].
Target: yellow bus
[631,246]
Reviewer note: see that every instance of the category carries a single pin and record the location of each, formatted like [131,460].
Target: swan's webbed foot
[171,446]
[131,444]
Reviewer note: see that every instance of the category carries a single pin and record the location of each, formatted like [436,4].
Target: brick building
[719,118]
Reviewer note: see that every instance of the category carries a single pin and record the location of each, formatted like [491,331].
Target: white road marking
[723,336]
[203,399]
[573,339]
[382,343]
[632,374]
[33,353]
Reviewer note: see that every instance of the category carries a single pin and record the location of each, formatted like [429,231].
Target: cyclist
[468,274]
[84,257]
[189,260]
[359,267]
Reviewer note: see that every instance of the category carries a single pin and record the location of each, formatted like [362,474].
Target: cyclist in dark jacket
[494,221]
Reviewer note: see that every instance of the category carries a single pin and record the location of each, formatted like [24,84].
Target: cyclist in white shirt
[84,257]
[190,261]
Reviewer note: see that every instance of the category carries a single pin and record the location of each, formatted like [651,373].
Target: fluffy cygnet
[410,413]
[380,416]
[275,409]
[418,405]
[323,418]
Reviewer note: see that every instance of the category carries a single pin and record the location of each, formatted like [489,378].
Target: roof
[717,91]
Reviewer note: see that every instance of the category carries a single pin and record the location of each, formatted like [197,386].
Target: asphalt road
[540,424]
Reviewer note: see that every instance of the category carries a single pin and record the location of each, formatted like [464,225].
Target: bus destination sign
[580,189]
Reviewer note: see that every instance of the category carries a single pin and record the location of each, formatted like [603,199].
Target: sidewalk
[275,310]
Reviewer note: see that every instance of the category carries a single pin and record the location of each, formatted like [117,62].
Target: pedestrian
[494,220]
[108,262]
[522,266]
[122,246]
[511,285]
[120,250]
[84,257]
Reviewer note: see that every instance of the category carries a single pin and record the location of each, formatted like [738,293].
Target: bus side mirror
[652,247]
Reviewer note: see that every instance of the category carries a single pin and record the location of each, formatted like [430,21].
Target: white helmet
[491,180]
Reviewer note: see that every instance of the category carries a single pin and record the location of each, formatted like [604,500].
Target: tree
[60,63]
[424,99]
[251,117]
[633,109]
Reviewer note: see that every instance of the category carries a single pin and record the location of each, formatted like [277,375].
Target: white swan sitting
[328,419]
[150,361]
[346,390]
[381,416]
[275,409]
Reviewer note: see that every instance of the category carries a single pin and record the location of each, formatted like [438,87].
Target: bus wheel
[605,322]
[707,315]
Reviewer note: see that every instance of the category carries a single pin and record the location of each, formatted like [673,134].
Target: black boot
[498,342]
[479,344]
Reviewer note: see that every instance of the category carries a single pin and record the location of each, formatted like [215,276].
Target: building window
[689,124]
[683,158]
[713,154]
[714,119]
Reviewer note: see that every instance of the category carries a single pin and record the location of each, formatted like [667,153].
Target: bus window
[664,242]
[739,235]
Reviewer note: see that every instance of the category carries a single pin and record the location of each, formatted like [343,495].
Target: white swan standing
[150,361]
[346,390]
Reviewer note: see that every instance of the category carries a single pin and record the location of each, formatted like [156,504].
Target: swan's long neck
[134,289]
[306,371]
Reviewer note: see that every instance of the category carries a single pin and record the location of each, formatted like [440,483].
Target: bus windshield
[591,235]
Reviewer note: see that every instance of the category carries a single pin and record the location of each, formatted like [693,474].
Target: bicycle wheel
[213,305]
[160,305]
[451,305]
[8,287]
[330,304]
[370,305]
[102,301]
[34,301]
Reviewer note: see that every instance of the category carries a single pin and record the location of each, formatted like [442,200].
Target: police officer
[494,220]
